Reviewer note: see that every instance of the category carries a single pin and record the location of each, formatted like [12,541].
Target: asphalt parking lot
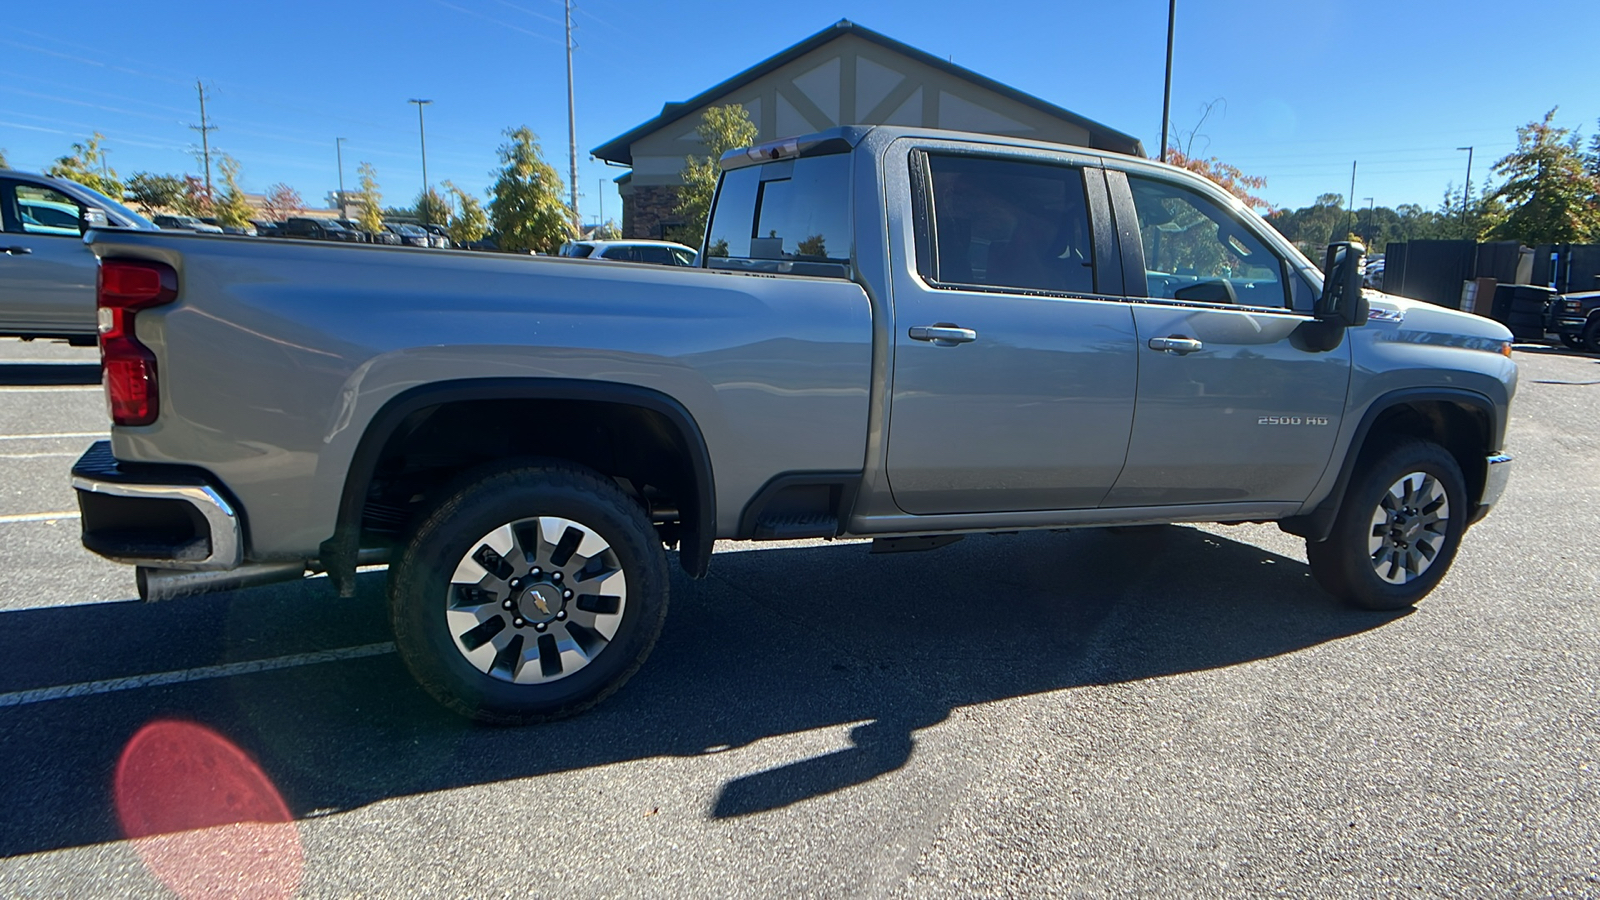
[1171,713]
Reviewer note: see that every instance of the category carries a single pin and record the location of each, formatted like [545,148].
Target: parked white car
[661,253]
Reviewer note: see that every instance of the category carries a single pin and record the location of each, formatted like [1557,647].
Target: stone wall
[647,211]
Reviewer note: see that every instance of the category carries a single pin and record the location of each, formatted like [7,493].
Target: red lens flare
[203,816]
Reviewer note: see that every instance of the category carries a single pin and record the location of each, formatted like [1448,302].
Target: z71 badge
[1292,420]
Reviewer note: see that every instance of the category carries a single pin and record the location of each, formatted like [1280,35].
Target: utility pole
[600,191]
[338,151]
[572,127]
[205,128]
[1166,96]
[1352,200]
[1466,192]
[422,135]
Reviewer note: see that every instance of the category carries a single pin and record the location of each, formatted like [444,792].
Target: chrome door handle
[16,251]
[1175,344]
[942,335]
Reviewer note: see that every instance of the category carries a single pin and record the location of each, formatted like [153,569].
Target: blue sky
[1307,87]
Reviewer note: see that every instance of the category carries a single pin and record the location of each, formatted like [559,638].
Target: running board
[915,543]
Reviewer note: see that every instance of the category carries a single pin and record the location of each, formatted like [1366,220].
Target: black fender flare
[1317,524]
[339,553]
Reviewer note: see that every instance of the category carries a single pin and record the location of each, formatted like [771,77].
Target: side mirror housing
[92,217]
[1342,299]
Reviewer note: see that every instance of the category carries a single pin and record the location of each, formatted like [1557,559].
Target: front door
[47,275]
[1233,406]
[1014,363]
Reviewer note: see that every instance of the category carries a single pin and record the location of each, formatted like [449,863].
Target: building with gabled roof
[842,75]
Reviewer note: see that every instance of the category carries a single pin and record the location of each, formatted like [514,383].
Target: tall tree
[1551,194]
[282,201]
[234,208]
[86,165]
[431,208]
[4,163]
[155,192]
[197,199]
[369,205]
[1228,177]
[468,223]
[526,205]
[721,128]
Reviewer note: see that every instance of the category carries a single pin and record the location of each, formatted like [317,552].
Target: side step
[915,543]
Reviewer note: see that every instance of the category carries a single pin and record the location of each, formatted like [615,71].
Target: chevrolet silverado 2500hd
[897,334]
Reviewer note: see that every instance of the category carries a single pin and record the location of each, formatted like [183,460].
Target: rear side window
[1010,225]
[787,216]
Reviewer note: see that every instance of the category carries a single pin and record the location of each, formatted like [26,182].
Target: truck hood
[1421,316]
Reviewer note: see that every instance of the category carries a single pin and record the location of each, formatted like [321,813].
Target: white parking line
[38,455]
[50,437]
[31,388]
[156,679]
[37,517]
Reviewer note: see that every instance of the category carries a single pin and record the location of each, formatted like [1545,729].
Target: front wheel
[1397,530]
[1572,341]
[1591,335]
[531,594]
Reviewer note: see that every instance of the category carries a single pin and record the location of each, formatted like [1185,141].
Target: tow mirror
[92,218]
[1342,299]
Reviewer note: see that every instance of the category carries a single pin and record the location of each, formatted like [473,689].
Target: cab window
[1010,225]
[789,216]
[1196,251]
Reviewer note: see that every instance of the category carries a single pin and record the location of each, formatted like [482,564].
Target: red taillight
[127,286]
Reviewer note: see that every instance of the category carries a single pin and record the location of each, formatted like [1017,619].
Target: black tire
[1346,565]
[1572,341]
[1591,335]
[537,492]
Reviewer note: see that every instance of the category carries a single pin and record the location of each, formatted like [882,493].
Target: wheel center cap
[540,602]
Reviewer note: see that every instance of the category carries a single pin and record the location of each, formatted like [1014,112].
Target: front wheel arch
[1465,423]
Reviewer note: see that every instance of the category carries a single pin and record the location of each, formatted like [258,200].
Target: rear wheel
[531,594]
[1397,530]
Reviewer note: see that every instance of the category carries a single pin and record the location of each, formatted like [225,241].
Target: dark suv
[317,230]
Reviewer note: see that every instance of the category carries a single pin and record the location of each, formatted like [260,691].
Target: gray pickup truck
[896,334]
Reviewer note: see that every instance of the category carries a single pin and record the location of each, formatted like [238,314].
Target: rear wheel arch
[589,406]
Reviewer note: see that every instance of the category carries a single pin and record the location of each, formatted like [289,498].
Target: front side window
[1194,250]
[786,216]
[1010,225]
[42,210]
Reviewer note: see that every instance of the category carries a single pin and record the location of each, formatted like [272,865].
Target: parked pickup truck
[47,275]
[1575,318]
[895,334]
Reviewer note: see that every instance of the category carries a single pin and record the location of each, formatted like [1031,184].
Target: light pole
[1466,192]
[338,152]
[1368,234]
[422,135]
[1166,95]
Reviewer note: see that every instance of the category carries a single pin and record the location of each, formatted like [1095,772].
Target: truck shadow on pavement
[777,641]
[48,374]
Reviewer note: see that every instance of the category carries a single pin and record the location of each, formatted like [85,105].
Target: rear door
[1233,406]
[47,275]
[1014,362]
